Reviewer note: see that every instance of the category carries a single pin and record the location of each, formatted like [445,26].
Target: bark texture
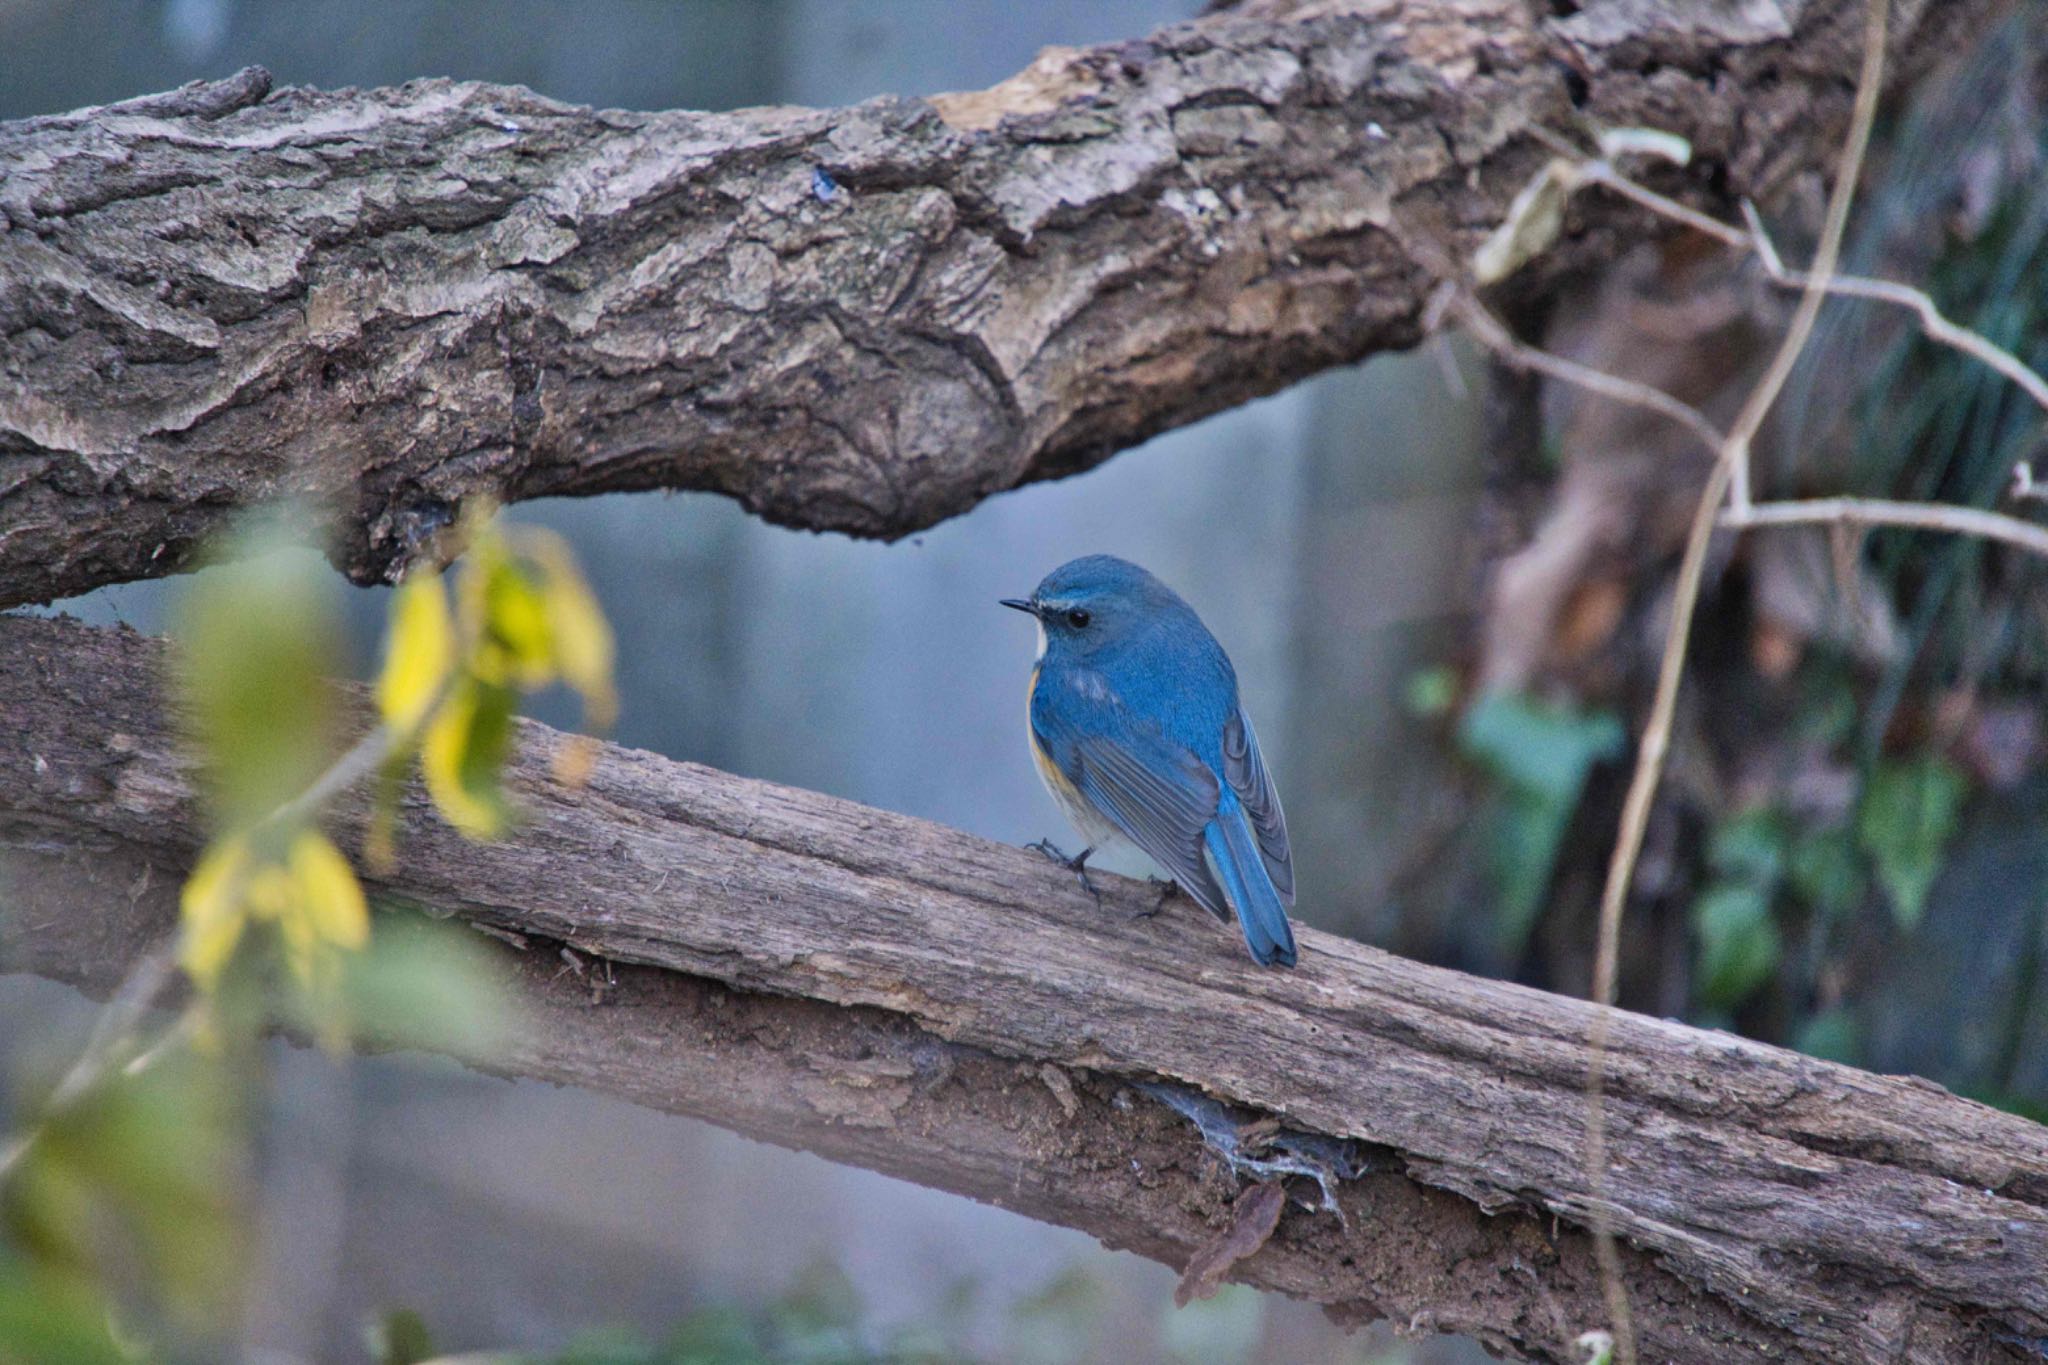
[895,994]
[867,319]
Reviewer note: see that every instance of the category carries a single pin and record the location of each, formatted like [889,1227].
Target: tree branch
[905,997]
[864,319]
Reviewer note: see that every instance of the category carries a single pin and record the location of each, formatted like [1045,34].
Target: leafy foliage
[1739,943]
[1541,755]
[121,1231]
[126,1206]
[1909,811]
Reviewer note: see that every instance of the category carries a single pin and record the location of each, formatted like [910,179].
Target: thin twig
[1932,516]
[1730,477]
[1493,334]
[1755,239]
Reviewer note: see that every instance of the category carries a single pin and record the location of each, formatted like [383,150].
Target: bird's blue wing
[1247,775]
[1158,793]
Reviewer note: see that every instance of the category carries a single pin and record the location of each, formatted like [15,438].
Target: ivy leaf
[1750,847]
[1908,813]
[1541,755]
[1826,873]
[1544,749]
[1739,944]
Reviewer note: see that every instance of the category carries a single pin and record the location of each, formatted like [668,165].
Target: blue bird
[1138,735]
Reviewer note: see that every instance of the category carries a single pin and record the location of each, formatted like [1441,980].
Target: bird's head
[1095,603]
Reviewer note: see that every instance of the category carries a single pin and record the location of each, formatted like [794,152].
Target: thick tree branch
[913,999]
[864,319]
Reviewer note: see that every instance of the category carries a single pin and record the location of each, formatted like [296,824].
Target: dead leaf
[1774,651]
[1252,1220]
[1589,618]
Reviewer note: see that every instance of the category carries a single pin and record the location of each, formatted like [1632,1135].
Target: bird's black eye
[1077,618]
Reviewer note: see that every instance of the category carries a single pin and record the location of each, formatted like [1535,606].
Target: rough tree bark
[906,997]
[863,319]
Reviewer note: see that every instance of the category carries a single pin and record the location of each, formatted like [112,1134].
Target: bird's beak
[1023,604]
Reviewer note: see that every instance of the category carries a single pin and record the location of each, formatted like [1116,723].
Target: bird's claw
[1078,864]
[1168,889]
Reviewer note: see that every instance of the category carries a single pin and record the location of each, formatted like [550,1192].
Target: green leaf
[1909,811]
[1826,872]
[399,1337]
[135,1185]
[425,984]
[1739,944]
[49,1316]
[1750,847]
[1830,1035]
[256,640]
[1544,749]
[1523,836]
[1541,755]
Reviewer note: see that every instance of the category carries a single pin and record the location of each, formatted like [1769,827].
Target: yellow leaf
[212,909]
[517,622]
[465,749]
[330,898]
[582,637]
[503,617]
[271,894]
[418,650]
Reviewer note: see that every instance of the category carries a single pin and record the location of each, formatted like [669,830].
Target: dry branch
[891,993]
[864,319]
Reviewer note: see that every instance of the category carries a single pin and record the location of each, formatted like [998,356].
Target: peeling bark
[894,994]
[865,319]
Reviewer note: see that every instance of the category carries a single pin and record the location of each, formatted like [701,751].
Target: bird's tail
[1233,857]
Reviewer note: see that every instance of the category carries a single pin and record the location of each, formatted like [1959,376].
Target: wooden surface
[1774,1204]
[866,319]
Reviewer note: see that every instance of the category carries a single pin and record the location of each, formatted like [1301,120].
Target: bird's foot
[1168,889]
[1078,864]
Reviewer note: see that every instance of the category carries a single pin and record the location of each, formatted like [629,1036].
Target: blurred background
[517,1214]
[1854,784]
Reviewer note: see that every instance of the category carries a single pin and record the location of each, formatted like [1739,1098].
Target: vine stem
[1729,479]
